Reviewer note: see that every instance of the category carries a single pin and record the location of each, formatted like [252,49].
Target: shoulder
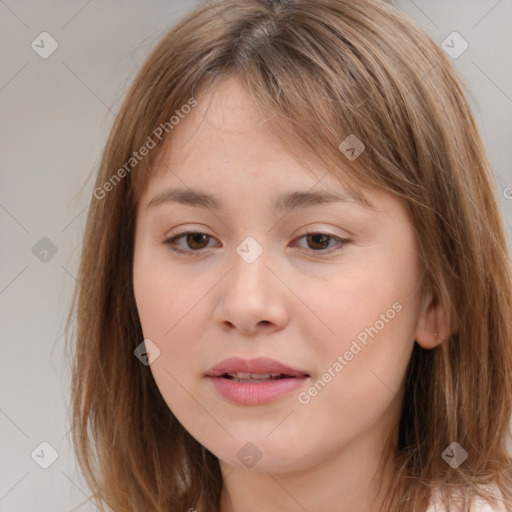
[479,505]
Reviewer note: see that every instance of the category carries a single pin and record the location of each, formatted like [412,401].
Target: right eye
[193,240]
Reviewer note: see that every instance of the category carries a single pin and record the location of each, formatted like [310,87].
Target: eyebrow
[284,202]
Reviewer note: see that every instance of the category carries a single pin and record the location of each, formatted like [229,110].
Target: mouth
[255,381]
[256,377]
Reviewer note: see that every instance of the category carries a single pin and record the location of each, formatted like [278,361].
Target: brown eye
[318,240]
[194,242]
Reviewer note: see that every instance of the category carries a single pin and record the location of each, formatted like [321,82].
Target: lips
[256,381]
[261,368]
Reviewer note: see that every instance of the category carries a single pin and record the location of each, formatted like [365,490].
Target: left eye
[196,241]
[323,240]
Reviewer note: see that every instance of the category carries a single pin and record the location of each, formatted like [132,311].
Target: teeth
[248,377]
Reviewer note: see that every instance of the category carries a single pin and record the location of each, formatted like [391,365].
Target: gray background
[56,114]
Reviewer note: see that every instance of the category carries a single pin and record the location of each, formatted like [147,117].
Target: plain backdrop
[55,114]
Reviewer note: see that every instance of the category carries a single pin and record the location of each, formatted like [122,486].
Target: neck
[347,479]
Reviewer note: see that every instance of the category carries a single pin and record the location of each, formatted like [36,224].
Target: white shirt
[479,505]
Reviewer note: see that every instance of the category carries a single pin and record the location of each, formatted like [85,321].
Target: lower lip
[257,393]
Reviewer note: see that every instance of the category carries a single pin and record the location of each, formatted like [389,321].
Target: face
[326,290]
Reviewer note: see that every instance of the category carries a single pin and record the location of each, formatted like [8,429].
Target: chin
[260,454]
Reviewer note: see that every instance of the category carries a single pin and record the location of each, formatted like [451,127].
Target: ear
[433,325]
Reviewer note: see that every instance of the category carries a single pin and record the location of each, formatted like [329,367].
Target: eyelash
[171,242]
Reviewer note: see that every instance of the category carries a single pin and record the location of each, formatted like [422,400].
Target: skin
[294,303]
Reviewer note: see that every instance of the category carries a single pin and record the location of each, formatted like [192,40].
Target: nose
[252,297]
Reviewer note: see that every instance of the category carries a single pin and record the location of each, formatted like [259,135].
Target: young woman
[295,292]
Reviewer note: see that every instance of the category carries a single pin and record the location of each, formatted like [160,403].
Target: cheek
[367,315]
[354,297]
[174,321]
[168,312]
[172,313]
[165,296]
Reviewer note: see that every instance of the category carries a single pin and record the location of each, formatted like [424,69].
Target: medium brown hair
[325,69]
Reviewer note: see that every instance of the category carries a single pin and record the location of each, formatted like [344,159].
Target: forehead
[226,123]
[228,142]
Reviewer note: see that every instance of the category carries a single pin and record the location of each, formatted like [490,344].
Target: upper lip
[257,365]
